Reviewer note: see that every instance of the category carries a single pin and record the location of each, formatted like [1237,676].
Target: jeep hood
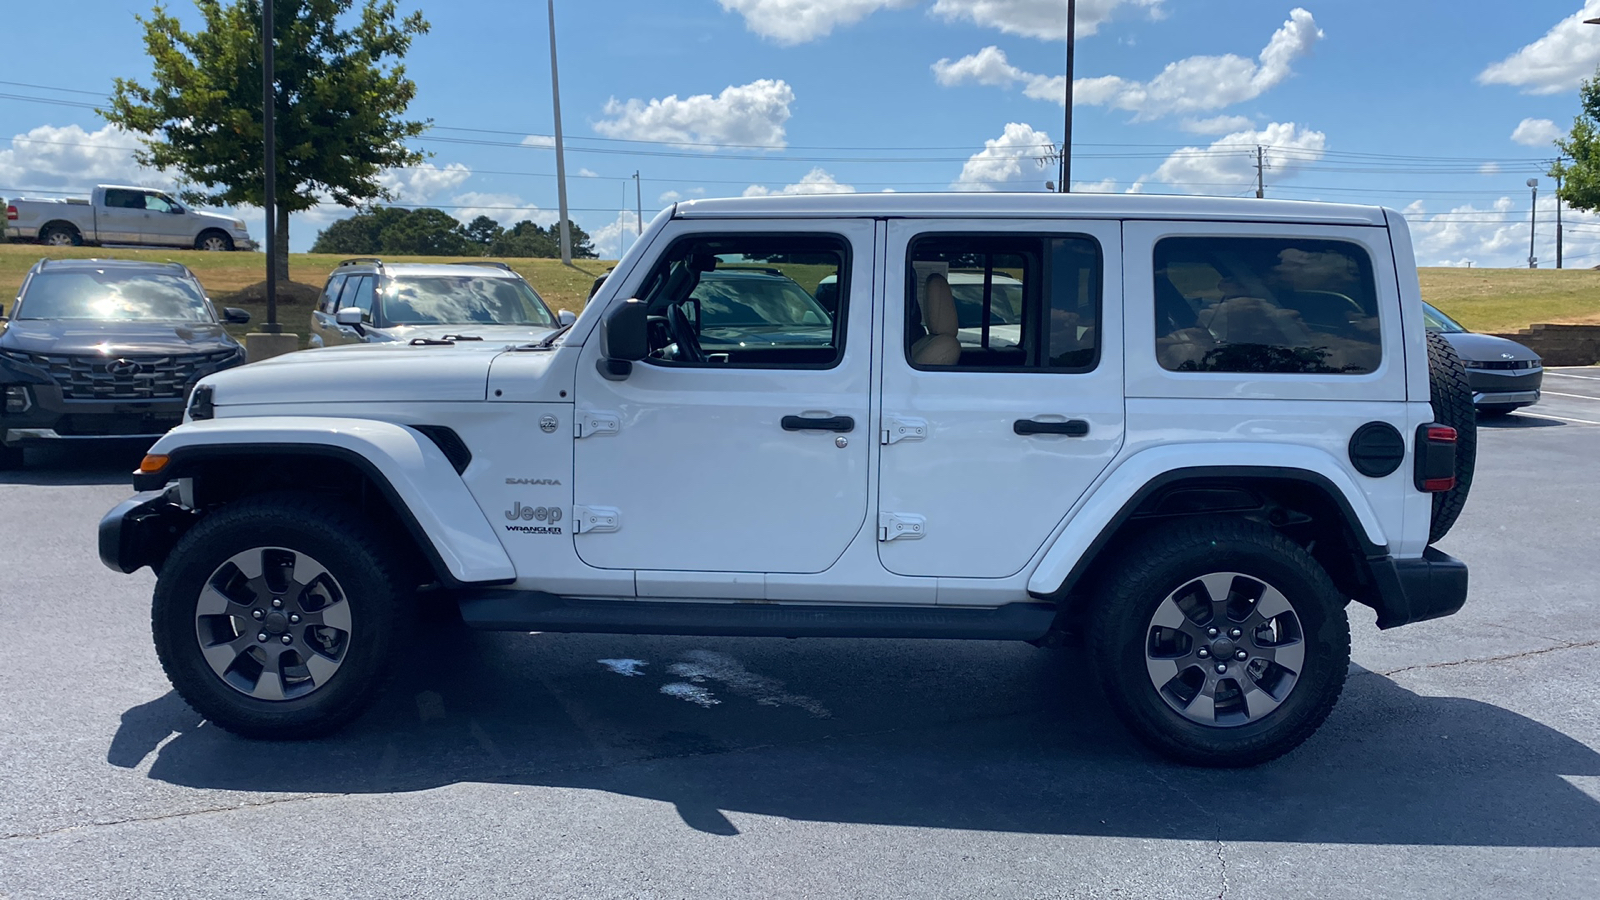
[359,373]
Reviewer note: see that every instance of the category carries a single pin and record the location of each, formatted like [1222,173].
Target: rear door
[999,415]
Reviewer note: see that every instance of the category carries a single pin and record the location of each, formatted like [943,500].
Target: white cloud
[753,113]
[71,159]
[1195,84]
[1217,124]
[798,21]
[1230,161]
[1103,186]
[1559,61]
[588,173]
[540,140]
[1009,162]
[611,239]
[1044,19]
[1497,236]
[507,209]
[1489,168]
[816,181]
[419,184]
[669,197]
[1536,132]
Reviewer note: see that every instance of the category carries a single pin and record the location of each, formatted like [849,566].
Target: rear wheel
[214,241]
[60,236]
[1220,642]
[1452,405]
[280,617]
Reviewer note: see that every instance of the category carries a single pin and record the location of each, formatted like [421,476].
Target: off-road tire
[1452,405]
[355,554]
[1167,558]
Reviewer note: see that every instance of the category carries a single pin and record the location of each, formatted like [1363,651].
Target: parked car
[1503,374]
[369,301]
[96,349]
[1191,473]
[115,214]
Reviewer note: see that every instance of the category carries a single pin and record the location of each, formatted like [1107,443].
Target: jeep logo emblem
[534,513]
[124,367]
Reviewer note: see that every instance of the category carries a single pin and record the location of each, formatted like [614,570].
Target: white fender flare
[1101,507]
[401,459]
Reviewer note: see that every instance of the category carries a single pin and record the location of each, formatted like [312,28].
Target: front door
[1002,388]
[165,223]
[741,443]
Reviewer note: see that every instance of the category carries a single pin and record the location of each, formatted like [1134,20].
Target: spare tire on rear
[1452,405]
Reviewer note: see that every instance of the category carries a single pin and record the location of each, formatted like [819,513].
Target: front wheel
[280,616]
[214,241]
[1220,642]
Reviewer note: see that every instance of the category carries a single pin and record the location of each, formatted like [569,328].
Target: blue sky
[1443,110]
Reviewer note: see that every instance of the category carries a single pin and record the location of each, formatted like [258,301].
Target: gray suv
[369,301]
[105,348]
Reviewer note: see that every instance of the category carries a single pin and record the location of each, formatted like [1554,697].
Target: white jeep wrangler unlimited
[1191,430]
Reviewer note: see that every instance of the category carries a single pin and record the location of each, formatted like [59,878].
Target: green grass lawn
[1481,299]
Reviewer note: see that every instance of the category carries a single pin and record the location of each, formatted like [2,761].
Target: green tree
[528,239]
[359,235]
[1581,174]
[483,231]
[341,98]
[425,232]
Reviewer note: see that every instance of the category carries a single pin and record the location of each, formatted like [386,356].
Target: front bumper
[1505,388]
[141,530]
[50,418]
[1415,590]
[240,243]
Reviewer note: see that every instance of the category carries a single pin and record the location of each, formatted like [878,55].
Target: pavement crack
[1563,645]
[138,820]
[1222,860]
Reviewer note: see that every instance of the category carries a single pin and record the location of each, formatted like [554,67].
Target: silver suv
[369,301]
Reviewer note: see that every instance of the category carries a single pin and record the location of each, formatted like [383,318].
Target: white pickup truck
[115,214]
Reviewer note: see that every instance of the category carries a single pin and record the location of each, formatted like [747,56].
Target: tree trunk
[281,262]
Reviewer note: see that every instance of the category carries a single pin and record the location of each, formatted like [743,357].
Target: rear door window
[1265,305]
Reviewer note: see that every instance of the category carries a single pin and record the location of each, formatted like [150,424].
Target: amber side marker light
[153,462]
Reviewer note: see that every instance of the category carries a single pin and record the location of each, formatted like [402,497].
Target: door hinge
[588,519]
[590,422]
[902,428]
[901,526]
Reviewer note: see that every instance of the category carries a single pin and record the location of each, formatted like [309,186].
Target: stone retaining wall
[1561,345]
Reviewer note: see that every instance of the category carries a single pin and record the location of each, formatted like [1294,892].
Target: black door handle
[1070,428]
[832,423]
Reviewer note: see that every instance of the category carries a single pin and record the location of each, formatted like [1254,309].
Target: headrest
[939,307]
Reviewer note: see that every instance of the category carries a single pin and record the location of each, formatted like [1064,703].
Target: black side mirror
[233,315]
[625,337]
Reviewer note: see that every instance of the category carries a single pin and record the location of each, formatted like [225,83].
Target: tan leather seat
[940,347]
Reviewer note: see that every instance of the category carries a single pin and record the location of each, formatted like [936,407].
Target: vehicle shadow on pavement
[1515,421]
[78,464]
[924,734]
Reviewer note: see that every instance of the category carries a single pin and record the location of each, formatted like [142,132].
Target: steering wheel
[683,335]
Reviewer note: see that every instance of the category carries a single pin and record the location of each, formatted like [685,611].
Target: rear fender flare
[1124,487]
[410,469]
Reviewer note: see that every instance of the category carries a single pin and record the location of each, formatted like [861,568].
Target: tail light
[1436,458]
[11,213]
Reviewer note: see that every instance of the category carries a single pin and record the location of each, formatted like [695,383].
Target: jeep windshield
[112,295]
[463,300]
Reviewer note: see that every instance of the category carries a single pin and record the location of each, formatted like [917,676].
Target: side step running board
[502,610]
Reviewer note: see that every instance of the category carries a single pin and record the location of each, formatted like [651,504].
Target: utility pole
[1261,174]
[1559,173]
[638,197]
[1065,184]
[1533,220]
[561,159]
[269,186]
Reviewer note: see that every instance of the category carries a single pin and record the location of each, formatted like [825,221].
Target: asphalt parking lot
[1461,761]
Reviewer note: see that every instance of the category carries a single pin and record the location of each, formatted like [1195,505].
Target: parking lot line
[1557,418]
[1570,375]
[1574,396]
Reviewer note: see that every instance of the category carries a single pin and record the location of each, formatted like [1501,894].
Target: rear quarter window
[1265,305]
